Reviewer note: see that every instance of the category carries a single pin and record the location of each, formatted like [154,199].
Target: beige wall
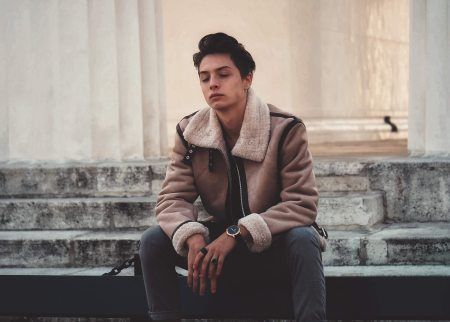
[320,59]
[80,81]
[350,58]
[89,80]
[259,25]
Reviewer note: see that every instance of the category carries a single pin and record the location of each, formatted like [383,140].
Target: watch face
[233,229]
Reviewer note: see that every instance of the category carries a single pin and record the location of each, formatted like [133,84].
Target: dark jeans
[294,255]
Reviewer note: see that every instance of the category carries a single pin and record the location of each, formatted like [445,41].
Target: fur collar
[204,130]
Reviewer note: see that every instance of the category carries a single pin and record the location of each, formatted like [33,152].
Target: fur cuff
[257,227]
[184,232]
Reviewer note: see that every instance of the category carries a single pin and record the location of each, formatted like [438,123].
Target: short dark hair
[221,43]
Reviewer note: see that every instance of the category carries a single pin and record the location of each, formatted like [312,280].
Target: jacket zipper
[240,188]
[227,163]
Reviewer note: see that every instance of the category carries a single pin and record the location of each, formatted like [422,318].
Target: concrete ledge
[359,298]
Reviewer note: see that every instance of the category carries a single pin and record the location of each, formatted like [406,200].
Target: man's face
[221,82]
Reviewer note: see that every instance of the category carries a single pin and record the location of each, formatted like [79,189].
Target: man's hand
[198,263]
[194,243]
[218,250]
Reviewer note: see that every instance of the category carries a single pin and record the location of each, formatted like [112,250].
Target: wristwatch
[234,231]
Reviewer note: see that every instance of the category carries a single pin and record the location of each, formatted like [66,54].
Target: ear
[248,80]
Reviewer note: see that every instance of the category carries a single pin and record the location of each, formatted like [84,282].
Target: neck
[231,120]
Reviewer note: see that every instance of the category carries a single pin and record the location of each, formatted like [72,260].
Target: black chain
[133,261]
[117,269]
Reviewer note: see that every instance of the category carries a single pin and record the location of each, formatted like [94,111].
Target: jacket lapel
[204,130]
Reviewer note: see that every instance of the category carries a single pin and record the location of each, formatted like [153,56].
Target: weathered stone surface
[412,243]
[416,189]
[405,244]
[159,168]
[411,190]
[343,248]
[342,183]
[104,248]
[387,270]
[392,244]
[35,248]
[77,213]
[402,179]
[66,248]
[87,180]
[336,210]
[350,210]
[340,166]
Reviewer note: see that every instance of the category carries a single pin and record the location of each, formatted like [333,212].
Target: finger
[220,262]
[213,284]
[212,268]
[190,269]
[202,284]
[195,279]
[196,271]
[203,274]
[199,257]
[212,276]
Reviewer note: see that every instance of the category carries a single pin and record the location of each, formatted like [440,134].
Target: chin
[218,106]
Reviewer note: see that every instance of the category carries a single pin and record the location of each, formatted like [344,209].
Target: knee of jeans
[154,242]
[302,237]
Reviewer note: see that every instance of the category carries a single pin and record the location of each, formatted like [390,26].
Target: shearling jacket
[277,188]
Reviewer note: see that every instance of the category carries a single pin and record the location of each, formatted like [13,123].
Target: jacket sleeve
[298,194]
[175,212]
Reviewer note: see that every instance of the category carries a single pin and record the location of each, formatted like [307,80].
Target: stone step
[395,244]
[138,179]
[401,180]
[78,180]
[78,248]
[339,167]
[403,244]
[337,210]
[367,271]
[344,211]
[77,213]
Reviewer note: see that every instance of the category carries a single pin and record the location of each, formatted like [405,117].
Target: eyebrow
[217,69]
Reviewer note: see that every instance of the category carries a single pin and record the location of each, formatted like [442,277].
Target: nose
[213,82]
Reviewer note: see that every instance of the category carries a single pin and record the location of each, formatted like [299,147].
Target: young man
[249,163]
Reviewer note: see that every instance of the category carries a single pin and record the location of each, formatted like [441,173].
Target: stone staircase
[385,216]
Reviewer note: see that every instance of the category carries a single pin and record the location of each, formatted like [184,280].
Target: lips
[215,95]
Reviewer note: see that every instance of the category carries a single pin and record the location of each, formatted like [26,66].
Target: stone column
[80,80]
[429,93]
